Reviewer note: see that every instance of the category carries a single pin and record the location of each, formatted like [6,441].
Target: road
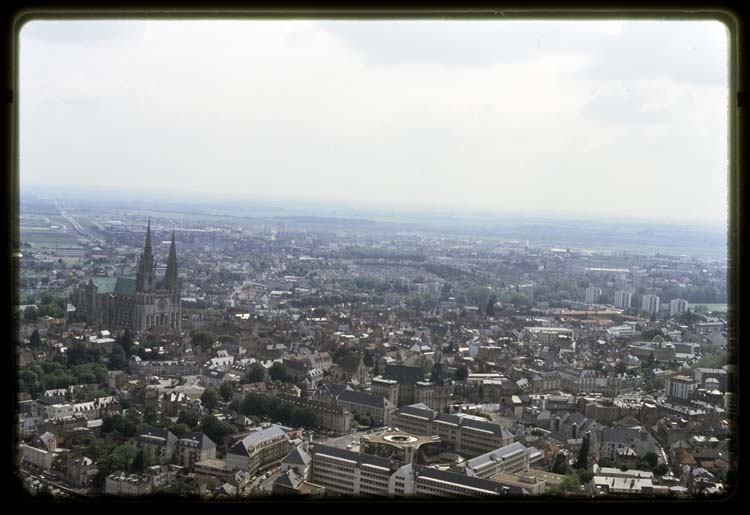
[266,484]
[46,478]
[76,226]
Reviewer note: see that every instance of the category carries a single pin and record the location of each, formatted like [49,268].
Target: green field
[48,238]
[715,307]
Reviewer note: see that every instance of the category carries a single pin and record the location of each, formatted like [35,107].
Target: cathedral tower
[146,266]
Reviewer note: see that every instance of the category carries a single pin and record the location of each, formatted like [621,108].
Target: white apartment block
[592,293]
[679,387]
[677,307]
[623,299]
[650,304]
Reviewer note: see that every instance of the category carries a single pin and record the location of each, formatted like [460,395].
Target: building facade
[139,303]
[650,304]
[623,299]
[677,307]
[592,293]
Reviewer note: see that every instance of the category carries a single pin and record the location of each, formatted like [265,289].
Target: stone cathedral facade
[137,303]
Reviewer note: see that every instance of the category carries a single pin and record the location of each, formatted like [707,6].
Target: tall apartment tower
[592,293]
[677,307]
[623,299]
[650,304]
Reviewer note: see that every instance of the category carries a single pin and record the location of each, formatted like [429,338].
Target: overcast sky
[596,118]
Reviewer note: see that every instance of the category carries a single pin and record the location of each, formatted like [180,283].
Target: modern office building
[462,434]
[350,473]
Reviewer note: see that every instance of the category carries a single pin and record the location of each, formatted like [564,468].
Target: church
[136,303]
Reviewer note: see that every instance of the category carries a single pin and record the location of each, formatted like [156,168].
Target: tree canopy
[209,398]
[256,374]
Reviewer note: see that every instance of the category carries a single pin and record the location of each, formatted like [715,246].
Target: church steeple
[170,277]
[145,276]
[147,248]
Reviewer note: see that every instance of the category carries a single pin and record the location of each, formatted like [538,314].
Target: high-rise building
[623,299]
[650,304]
[677,307]
[592,293]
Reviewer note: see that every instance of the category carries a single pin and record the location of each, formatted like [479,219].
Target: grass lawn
[49,238]
[714,307]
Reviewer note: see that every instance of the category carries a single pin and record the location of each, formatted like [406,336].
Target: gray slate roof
[404,374]
[365,399]
[115,285]
[298,457]
[255,438]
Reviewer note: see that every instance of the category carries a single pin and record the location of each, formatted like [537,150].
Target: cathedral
[138,303]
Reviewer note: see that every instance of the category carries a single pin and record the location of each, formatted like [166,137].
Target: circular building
[401,446]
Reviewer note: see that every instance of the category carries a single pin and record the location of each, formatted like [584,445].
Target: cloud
[80,32]
[455,115]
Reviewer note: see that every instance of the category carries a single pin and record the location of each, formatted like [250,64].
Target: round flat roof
[400,438]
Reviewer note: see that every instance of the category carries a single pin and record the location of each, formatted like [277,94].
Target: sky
[623,119]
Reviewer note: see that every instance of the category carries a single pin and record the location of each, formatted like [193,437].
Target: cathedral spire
[148,236]
[145,275]
[171,274]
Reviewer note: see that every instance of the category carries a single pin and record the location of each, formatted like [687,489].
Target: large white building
[650,304]
[259,450]
[350,473]
[623,299]
[463,434]
[592,293]
[677,307]
[678,388]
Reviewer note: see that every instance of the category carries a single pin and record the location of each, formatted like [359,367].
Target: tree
[461,374]
[570,483]
[584,476]
[254,405]
[216,429]
[180,429]
[204,340]
[30,314]
[340,353]
[652,459]
[117,358]
[36,341]
[278,372]
[226,390]
[126,341]
[151,416]
[560,465]
[189,420]
[583,453]
[209,398]
[303,417]
[79,354]
[661,469]
[139,462]
[491,306]
[256,374]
